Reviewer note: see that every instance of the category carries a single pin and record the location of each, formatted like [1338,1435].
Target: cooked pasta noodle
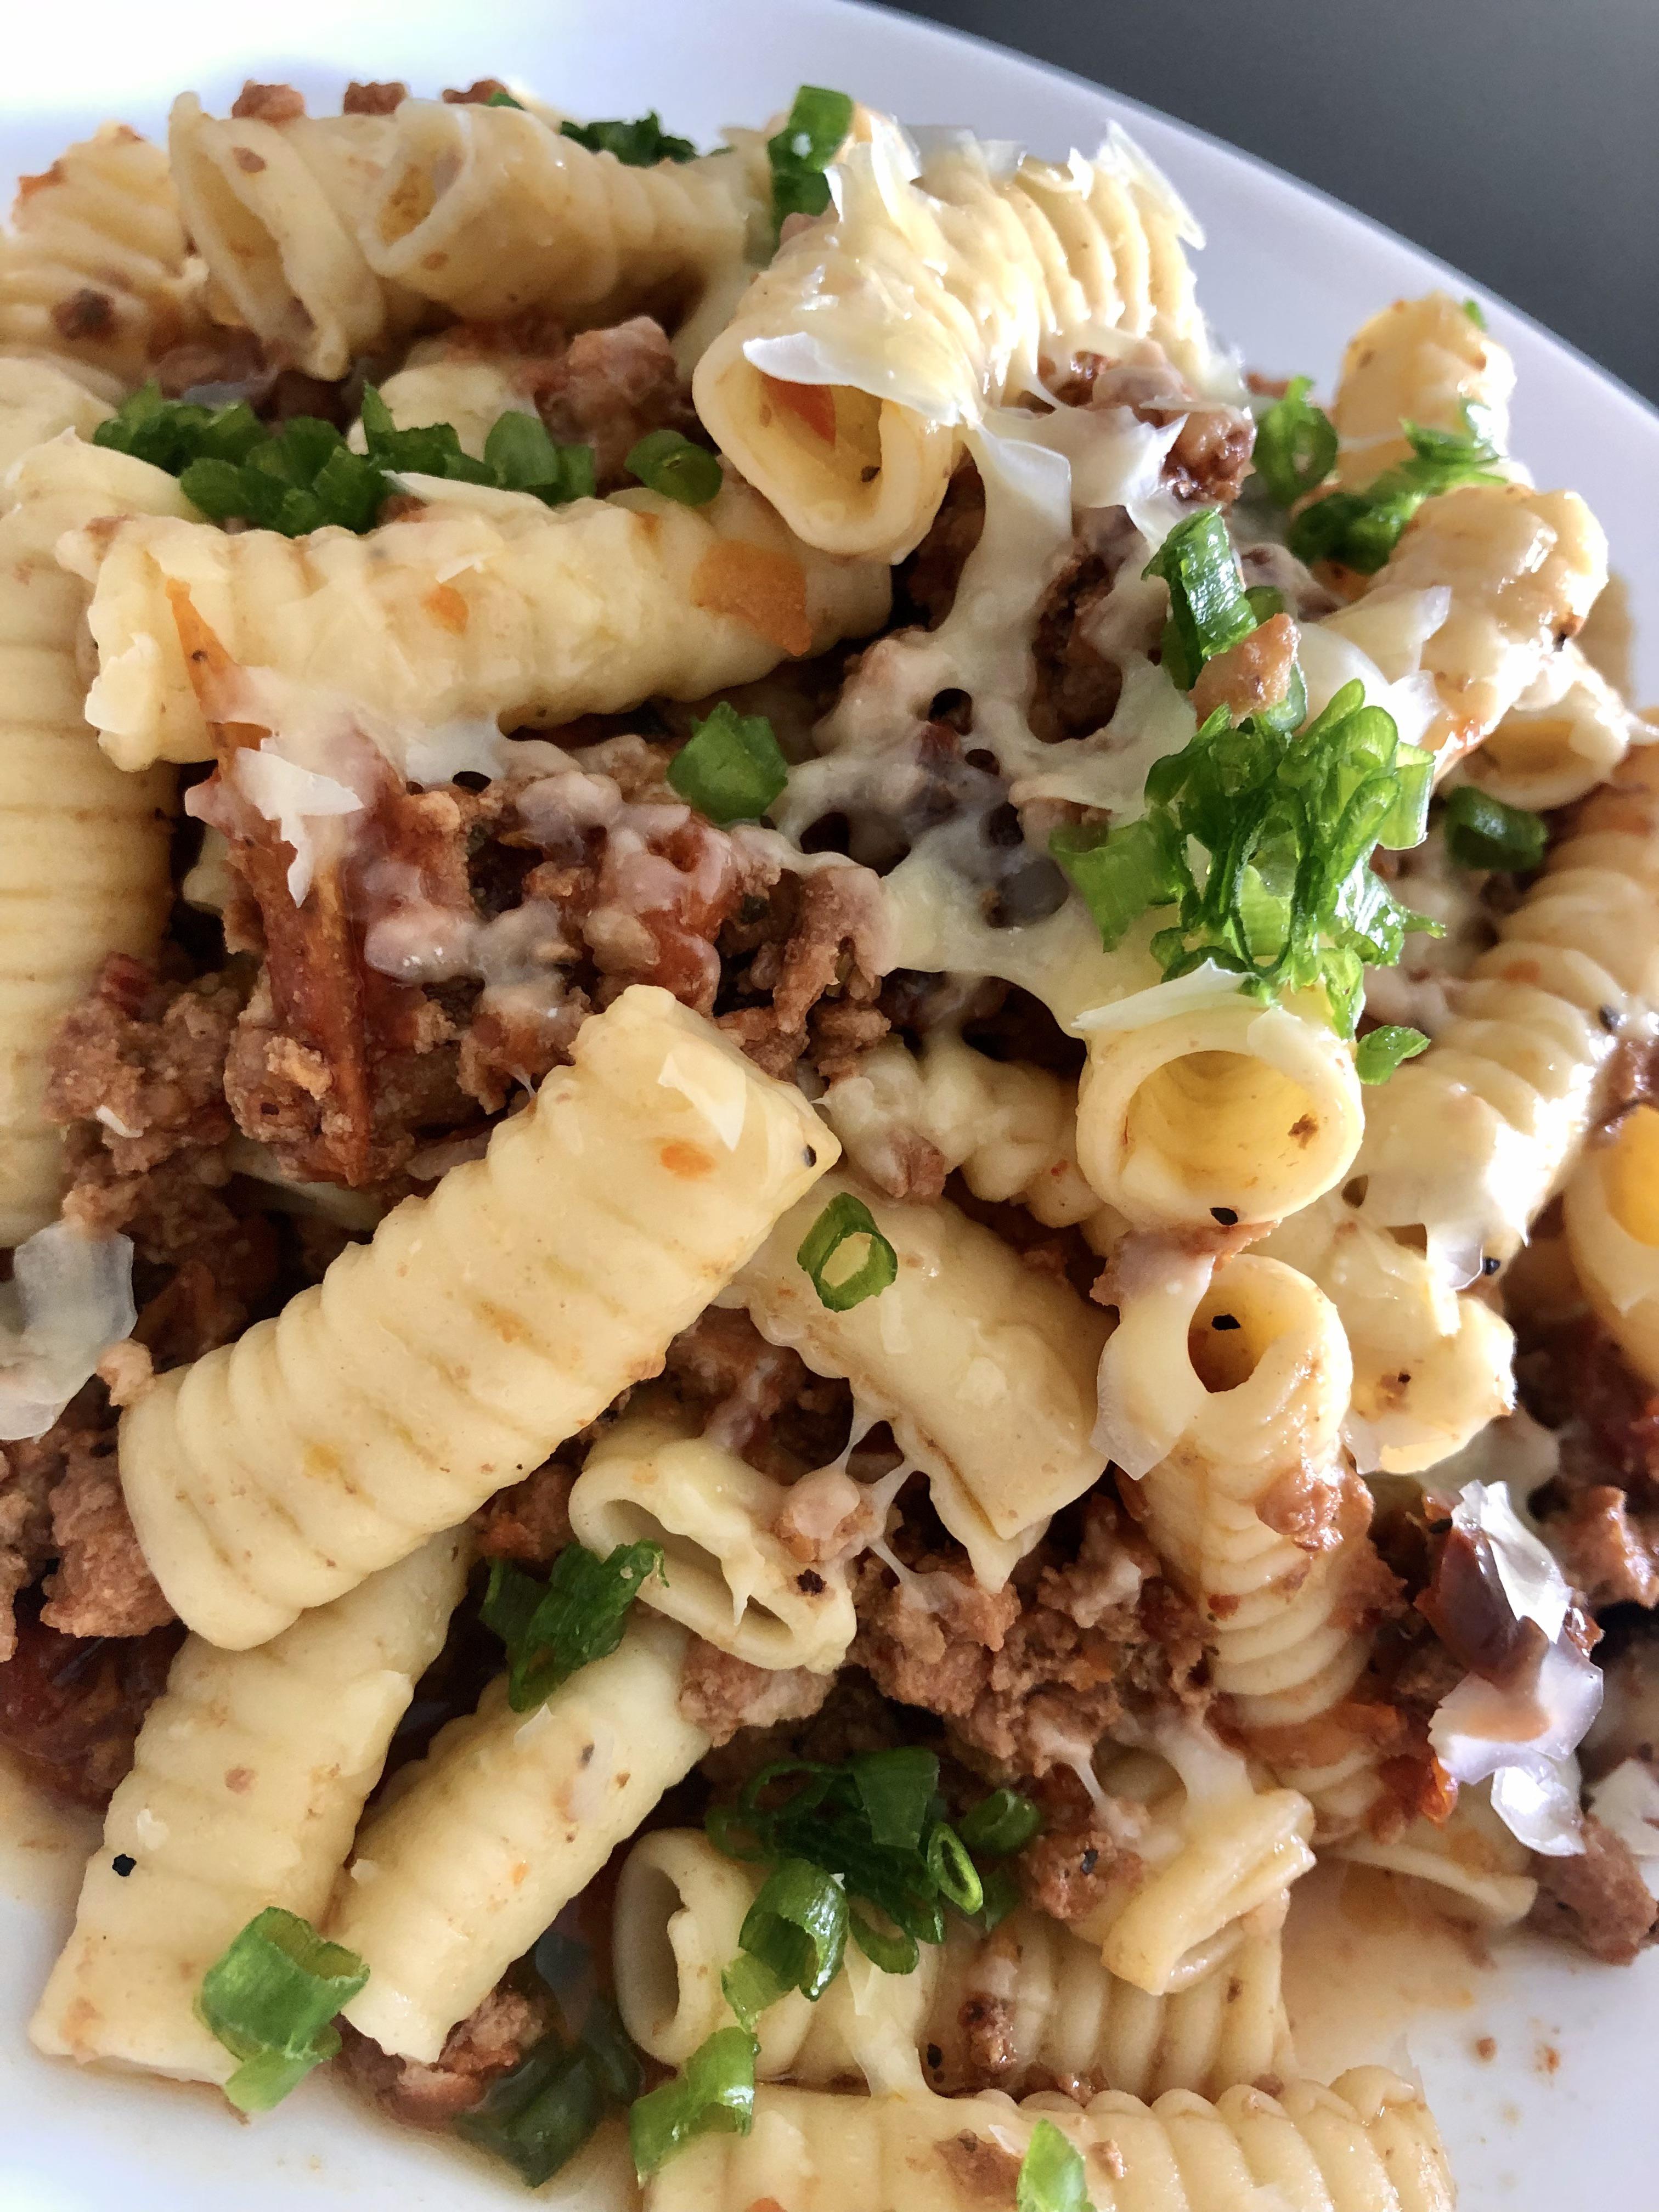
[83,848]
[1367,2144]
[1613,1234]
[93,274]
[844,378]
[680,1907]
[248,1779]
[485,604]
[1221,1107]
[1562,737]
[984,1370]
[505,1819]
[482,1325]
[1469,1142]
[39,399]
[1426,362]
[729,1577]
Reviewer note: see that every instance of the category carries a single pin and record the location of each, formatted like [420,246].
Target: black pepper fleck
[1090,1860]
[1610,1018]
[124,1863]
[1225,1321]
[1489,1265]
[1225,1215]
[811,1581]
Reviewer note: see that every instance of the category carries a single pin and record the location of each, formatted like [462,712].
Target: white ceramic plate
[1559,2110]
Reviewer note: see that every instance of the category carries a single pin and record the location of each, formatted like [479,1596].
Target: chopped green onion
[1262,842]
[270,1998]
[716,2092]
[1051,2174]
[523,458]
[553,1629]
[870,1268]
[810,140]
[638,145]
[1000,1824]
[504,99]
[1295,445]
[672,464]
[1208,611]
[897,1789]
[1360,529]
[954,1872]
[169,434]
[1265,601]
[1476,314]
[1002,1894]
[1380,1051]
[895,1953]
[792,1938]
[733,768]
[1483,832]
[538,2116]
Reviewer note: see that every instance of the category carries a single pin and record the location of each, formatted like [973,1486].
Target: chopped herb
[1360,529]
[672,464]
[270,1998]
[716,2091]
[1002,1895]
[504,99]
[1482,832]
[1051,2174]
[554,1629]
[1208,611]
[1475,312]
[869,1268]
[525,458]
[538,2116]
[731,768]
[1295,445]
[1380,1051]
[638,145]
[1263,841]
[810,140]
[792,1938]
[1265,601]
[797,1810]
[1001,1824]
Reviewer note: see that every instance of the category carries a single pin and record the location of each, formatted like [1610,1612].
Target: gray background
[1518,139]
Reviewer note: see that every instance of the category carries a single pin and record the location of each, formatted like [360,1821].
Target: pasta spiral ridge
[83,849]
[247,1781]
[482,1325]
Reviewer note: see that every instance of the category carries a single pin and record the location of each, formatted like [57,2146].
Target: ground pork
[1077,688]
[613,388]
[372,99]
[721,1694]
[70,1709]
[268,103]
[530,1523]
[478,2050]
[980,2170]
[29,1471]
[816,937]
[928,579]
[1211,456]
[1069,1871]
[1250,677]
[1610,1554]
[145,1061]
[1597,1897]
[103,1585]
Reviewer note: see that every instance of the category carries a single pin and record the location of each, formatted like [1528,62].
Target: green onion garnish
[672,464]
[731,768]
[1482,832]
[897,1792]
[1000,1824]
[553,1629]
[716,2091]
[1475,312]
[1208,611]
[1002,1894]
[1282,893]
[870,1268]
[638,145]
[504,99]
[809,141]
[270,1998]
[523,458]
[1360,529]
[1380,1051]
[1295,445]
[538,2116]
[1051,2174]
[792,1938]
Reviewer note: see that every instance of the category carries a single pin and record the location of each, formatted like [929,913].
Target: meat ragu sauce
[338,1015]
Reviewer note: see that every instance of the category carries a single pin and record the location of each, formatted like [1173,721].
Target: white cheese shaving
[1203,985]
[1626,1801]
[70,1298]
[296,799]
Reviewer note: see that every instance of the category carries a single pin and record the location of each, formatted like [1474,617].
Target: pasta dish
[828,1156]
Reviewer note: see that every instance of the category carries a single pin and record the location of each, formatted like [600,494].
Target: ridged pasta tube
[93,271]
[83,848]
[1367,2144]
[1422,361]
[850,368]
[654,1476]
[40,399]
[247,1782]
[487,603]
[984,1368]
[1430,1367]
[482,1325]
[680,1907]
[1560,740]
[1219,1106]
[1468,1141]
[1524,568]
[505,1819]
[1478,1869]
[1011,1128]
[1612,1216]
